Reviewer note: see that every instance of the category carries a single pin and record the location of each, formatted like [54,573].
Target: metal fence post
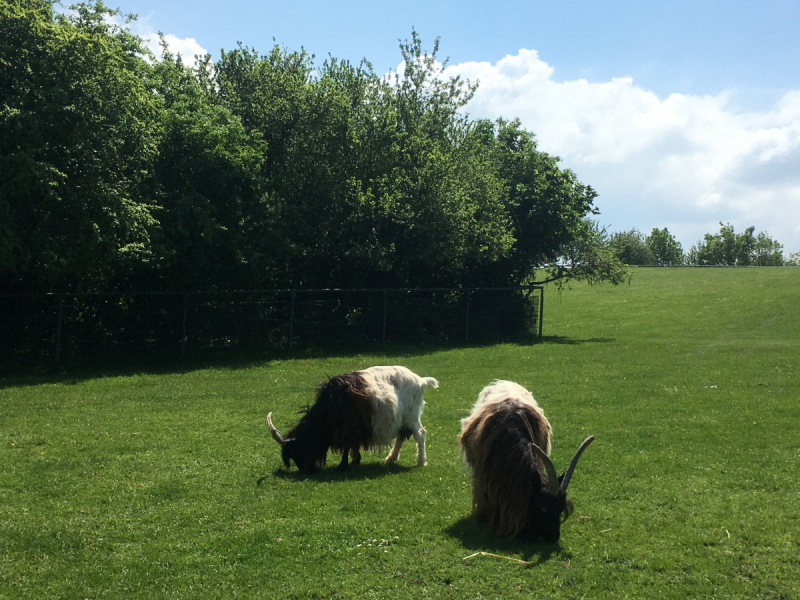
[541,310]
[291,322]
[183,330]
[466,325]
[385,311]
[58,329]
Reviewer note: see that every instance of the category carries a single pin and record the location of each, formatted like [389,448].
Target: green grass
[164,482]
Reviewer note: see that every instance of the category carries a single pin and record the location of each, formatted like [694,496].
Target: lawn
[159,482]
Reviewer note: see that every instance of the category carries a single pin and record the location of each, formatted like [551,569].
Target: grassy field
[164,482]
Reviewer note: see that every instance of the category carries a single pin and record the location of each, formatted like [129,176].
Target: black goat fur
[509,482]
[339,420]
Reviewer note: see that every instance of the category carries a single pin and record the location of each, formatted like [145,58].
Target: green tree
[265,171]
[632,248]
[78,130]
[665,248]
[546,211]
[446,214]
[718,249]
[732,249]
[589,256]
[372,181]
[767,252]
[207,177]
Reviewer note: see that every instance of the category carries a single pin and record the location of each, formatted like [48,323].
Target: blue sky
[680,114]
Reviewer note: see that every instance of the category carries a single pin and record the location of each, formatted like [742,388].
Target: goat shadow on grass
[331,474]
[476,537]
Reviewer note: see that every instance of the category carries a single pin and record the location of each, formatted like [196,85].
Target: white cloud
[186,47]
[684,162]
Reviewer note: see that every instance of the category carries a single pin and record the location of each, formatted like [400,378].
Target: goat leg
[395,453]
[419,438]
[343,465]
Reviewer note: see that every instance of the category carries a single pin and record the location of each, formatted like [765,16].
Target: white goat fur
[396,395]
[498,392]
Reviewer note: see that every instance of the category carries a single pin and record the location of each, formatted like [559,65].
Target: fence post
[541,310]
[385,311]
[58,329]
[183,331]
[466,326]
[291,322]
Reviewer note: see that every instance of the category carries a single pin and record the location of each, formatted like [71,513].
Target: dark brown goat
[515,489]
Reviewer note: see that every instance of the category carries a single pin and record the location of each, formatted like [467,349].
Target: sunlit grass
[164,482]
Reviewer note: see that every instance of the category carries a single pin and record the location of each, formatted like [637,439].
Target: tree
[588,257]
[120,170]
[78,129]
[632,248]
[767,252]
[207,177]
[445,217]
[547,210]
[665,248]
[731,249]
[372,181]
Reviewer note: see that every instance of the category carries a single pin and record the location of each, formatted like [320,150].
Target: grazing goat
[506,443]
[364,409]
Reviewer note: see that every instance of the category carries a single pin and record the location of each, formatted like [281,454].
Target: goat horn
[275,433]
[571,469]
[552,478]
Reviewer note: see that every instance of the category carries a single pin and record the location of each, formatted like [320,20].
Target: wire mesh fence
[37,328]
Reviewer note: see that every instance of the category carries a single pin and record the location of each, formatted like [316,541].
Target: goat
[359,410]
[506,441]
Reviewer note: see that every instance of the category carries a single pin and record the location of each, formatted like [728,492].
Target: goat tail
[429,381]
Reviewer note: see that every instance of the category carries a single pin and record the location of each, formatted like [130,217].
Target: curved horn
[275,433]
[552,478]
[571,469]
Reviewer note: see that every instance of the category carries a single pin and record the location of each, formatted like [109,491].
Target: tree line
[120,170]
[725,248]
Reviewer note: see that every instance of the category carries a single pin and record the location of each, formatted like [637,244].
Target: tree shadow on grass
[331,474]
[476,537]
[561,340]
[160,362]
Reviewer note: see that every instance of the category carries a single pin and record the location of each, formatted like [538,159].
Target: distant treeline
[124,171]
[726,248]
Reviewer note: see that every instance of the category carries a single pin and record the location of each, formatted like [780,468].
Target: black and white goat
[359,410]
[506,442]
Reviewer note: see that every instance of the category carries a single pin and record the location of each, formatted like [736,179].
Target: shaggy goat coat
[360,410]
[496,444]
[506,441]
